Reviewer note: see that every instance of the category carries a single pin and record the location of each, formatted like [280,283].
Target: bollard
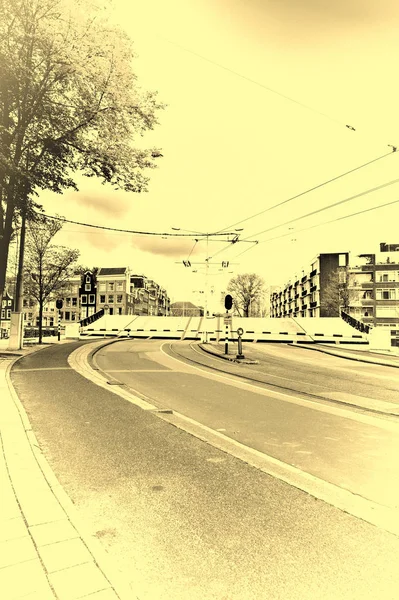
[240,331]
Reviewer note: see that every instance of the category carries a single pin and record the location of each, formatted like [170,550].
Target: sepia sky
[233,148]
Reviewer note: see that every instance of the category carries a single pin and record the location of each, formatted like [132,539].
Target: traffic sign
[240,331]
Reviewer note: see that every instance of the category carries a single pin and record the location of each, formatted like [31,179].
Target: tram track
[247,378]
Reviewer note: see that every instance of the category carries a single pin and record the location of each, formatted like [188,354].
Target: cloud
[332,13]
[112,204]
[169,247]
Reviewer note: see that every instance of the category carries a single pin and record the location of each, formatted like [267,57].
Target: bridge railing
[355,323]
[88,320]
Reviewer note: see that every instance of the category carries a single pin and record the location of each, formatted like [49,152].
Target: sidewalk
[43,552]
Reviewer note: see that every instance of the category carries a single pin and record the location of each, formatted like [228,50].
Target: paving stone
[55,531]
[103,595]
[62,555]
[24,580]
[16,551]
[77,582]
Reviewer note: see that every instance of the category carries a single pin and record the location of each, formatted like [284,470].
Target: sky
[232,148]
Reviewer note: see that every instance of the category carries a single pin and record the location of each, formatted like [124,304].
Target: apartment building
[305,296]
[374,282]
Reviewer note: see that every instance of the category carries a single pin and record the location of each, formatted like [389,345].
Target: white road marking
[346,413]
[384,517]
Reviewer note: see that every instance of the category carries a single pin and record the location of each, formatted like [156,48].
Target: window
[73,316]
[385,294]
[119,299]
[3,313]
[111,311]
[102,287]
[88,279]
[87,287]
[67,315]
[30,316]
[111,298]
[68,302]
[8,313]
[84,298]
[102,299]
[92,299]
[9,303]
[111,286]
[51,321]
[74,301]
[119,310]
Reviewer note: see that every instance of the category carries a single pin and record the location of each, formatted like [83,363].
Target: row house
[304,296]
[114,289]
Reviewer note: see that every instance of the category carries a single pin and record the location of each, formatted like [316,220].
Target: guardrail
[355,323]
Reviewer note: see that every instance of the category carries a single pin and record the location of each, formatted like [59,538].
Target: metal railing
[355,323]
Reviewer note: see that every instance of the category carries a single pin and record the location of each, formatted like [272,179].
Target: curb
[101,559]
[348,357]
[245,361]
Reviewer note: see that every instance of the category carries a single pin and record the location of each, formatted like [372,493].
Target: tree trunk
[40,319]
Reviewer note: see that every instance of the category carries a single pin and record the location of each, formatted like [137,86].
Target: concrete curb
[368,360]
[105,575]
[245,361]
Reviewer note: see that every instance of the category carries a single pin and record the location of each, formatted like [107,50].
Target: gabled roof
[112,271]
[181,304]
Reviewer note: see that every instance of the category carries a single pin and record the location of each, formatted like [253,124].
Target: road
[185,519]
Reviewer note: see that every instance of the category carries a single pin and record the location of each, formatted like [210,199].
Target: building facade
[7,307]
[114,288]
[305,296]
[375,287]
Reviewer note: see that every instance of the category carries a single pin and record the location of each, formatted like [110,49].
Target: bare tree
[338,293]
[47,267]
[247,290]
[69,103]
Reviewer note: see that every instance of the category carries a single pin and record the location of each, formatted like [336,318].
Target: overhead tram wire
[259,84]
[360,212]
[312,189]
[319,210]
[135,232]
[369,191]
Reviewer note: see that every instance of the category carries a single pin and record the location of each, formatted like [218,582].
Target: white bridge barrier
[261,330]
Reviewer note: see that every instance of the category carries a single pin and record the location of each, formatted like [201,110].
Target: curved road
[186,520]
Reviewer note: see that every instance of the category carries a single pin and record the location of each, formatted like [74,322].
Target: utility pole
[16,324]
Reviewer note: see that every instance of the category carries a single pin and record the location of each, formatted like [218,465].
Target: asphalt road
[184,519]
[337,444]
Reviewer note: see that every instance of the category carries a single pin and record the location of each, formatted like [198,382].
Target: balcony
[367,284]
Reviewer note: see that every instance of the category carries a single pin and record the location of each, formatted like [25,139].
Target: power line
[155,233]
[314,212]
[312,189]
[360,212]
[262,85]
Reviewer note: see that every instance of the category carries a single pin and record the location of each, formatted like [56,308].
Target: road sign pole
[226,337]
[59,304]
